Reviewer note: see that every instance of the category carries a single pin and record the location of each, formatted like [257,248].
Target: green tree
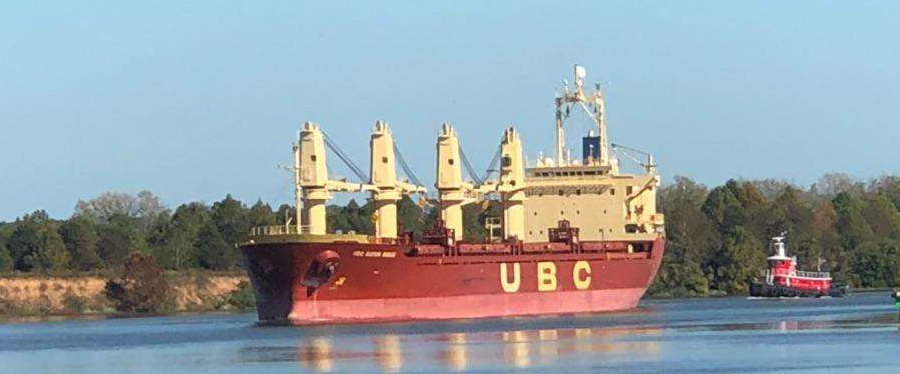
[53,254]
[35,244]
[877,264]
[741,259]
[232,220]
[177,250]
[286,214]
[81,238]
[261,215]
[888,185]
[882,216]
[118,238]
[691,238]
[788,214]
[6,261]
[851,224]
[351,217]
[409,215]
[724,209]
[212,251]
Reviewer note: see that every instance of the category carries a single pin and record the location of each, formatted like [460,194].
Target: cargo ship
[575,234]
[782,279]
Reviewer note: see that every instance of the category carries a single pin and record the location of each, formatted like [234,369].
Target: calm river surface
[857,334]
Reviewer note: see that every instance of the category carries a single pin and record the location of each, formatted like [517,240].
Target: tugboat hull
[760,289]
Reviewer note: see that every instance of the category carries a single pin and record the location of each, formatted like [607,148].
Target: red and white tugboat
[782,279]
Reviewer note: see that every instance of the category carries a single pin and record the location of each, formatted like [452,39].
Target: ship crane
[454,193]
[313,188]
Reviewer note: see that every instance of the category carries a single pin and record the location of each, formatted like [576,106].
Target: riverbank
[45,295]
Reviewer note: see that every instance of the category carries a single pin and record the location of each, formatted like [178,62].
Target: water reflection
[459,351]
[318,353]
[388,353]
[455,354]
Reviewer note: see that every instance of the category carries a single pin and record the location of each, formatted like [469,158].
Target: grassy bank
[71,293]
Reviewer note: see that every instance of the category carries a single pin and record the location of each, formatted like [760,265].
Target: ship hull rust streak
[405,288]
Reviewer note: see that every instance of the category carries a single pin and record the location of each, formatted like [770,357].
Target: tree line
[717,237]
[104,231]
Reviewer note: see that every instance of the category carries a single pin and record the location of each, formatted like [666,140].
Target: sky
[194,100]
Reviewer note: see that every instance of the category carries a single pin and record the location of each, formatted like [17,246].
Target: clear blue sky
[196,99]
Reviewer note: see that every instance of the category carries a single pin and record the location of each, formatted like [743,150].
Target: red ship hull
[380,282]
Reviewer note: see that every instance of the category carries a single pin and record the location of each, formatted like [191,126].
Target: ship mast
[597,112]
[298,190]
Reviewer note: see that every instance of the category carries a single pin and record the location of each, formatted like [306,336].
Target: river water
[856,334]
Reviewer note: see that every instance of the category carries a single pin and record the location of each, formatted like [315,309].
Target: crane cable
[478,180]
[345,158]
[406,168]
[490,169]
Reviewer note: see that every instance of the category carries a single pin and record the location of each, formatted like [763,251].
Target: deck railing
[814,274]
[806,274]
[278,230]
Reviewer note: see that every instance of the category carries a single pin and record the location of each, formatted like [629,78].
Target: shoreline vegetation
[87,294]
[716,243]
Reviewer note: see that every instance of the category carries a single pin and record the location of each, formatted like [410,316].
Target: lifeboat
[782,279]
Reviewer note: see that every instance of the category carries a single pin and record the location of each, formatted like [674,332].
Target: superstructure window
[507,161]
[612,191]
[628,190]
[450,161]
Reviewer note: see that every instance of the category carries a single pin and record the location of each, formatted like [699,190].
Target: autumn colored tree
[141,287]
